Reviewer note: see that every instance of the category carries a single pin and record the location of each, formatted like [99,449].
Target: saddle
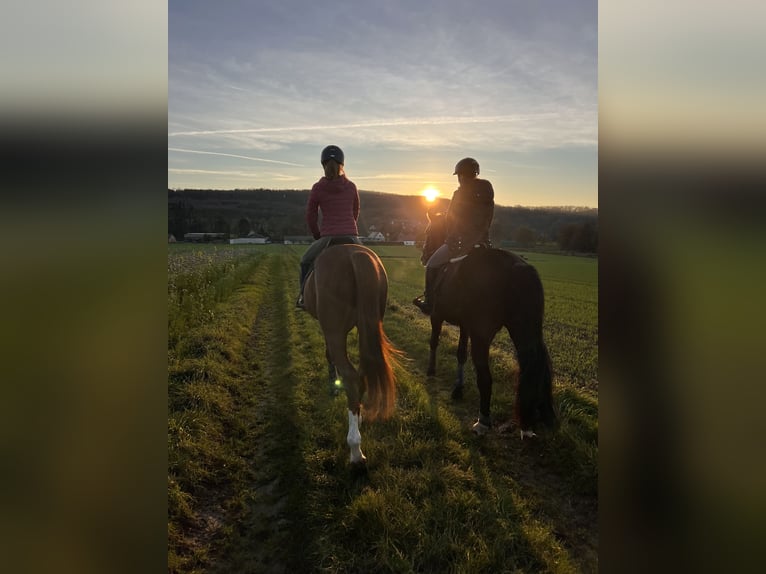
[307,269]
[341,240]
[450,269]
[337,240]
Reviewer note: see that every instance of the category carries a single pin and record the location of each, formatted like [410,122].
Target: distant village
[376,237]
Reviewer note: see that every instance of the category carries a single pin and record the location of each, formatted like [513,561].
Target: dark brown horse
[349,288]
[487,290]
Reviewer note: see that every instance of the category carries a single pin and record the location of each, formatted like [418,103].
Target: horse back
[486,273]
[489,285]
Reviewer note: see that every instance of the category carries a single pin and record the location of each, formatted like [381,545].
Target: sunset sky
[406,89]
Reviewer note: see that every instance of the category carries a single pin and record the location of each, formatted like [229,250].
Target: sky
[256,90]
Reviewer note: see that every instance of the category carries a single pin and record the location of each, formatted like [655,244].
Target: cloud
[404,87]
[538,130]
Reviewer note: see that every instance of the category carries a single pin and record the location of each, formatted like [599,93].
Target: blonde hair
[333,169]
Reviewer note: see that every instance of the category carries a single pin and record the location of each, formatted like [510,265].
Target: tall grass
[200,277]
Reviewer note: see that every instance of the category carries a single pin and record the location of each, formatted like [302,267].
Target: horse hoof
[457,393]
[360,463]
[479,428]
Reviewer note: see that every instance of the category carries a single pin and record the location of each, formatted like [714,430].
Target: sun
[430,193]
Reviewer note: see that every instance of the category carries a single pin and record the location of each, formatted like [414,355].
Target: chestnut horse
[349,288]
[489,289]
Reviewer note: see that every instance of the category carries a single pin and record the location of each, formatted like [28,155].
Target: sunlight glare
[431,194]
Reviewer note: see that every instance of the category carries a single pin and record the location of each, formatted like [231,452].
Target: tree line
[281,213]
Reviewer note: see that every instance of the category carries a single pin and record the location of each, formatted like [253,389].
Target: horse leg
[333,380]
[354,437]
[480,357]
[462,356]
[338,354]
[436,330]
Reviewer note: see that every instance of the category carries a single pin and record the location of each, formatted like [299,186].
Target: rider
[468,219]
[338,200]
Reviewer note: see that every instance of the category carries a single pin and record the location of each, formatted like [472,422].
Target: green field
[258,477]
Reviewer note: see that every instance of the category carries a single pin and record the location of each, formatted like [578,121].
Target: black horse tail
[377,355]
[534,392]
[535,388]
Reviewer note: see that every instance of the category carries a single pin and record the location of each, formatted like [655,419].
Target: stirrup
[299,303]
[421,304]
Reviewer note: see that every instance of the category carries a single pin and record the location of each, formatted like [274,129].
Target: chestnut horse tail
[535,386]
[377,356]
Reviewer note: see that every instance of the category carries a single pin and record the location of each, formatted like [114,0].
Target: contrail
[376,124]
[212,172]
[234,155]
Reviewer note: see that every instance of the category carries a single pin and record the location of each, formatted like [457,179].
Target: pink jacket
[338,200]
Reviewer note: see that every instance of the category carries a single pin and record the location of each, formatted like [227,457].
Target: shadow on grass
[554,474]
[270,536]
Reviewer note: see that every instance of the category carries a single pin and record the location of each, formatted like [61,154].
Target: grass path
[262,480]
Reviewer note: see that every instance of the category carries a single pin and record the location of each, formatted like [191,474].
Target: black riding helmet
[332,152]
[467,165]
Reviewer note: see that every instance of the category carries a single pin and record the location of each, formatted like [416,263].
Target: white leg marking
[479,429]
[354,438]
[528,433]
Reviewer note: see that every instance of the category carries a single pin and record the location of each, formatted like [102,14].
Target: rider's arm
[356,204]
[312,213]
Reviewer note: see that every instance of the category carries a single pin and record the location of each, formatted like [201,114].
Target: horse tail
[534,392]
[377,355]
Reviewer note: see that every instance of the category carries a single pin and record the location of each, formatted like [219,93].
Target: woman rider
[338,199]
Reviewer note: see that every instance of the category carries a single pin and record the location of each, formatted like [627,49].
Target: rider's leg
[433,269]
[305,268]
[307,263]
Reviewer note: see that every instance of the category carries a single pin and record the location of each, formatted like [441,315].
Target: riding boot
[426,302]
[305,268]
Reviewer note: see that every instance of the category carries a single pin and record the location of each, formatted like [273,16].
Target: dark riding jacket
[470,215]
